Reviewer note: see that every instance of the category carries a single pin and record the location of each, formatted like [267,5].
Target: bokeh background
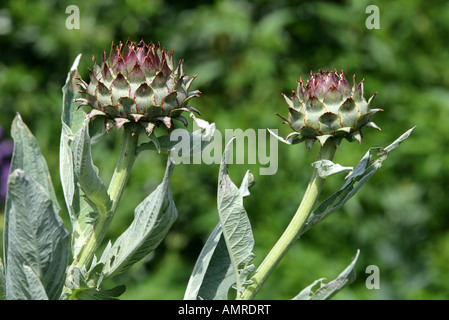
[246,53]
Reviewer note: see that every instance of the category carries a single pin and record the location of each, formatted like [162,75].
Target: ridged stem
[124,165]
[293,230]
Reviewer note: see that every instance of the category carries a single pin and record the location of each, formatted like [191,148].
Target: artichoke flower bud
[327,107]
[138,84]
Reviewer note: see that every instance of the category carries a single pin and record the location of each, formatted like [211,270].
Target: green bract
[327,107]
[138,85]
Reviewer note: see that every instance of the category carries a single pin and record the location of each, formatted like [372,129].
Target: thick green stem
[117,185]
[122,171]
[293,230]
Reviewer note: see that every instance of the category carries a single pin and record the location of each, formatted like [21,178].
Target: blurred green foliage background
[246,53]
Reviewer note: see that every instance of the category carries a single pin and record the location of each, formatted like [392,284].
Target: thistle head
[327,107]
[138,83]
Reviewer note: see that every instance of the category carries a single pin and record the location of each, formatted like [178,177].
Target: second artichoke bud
[139,84]
[327,107]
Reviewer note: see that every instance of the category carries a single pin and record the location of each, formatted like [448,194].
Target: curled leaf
[326,168]
[328,290]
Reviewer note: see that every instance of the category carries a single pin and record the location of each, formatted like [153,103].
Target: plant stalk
[292,232]
[125,162]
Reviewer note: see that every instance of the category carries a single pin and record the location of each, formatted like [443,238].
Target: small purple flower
[6,149]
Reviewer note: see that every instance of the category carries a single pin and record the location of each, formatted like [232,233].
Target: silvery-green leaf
[153,219]
[71,118]
[89,181]
[90,196]
[367,166]
[326,168]
[399,140]
[235,225]
[29,164]
[35,288]
[328,290]
[35,237]
[72,121]
[247,183]
[28,157]
[213,274]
